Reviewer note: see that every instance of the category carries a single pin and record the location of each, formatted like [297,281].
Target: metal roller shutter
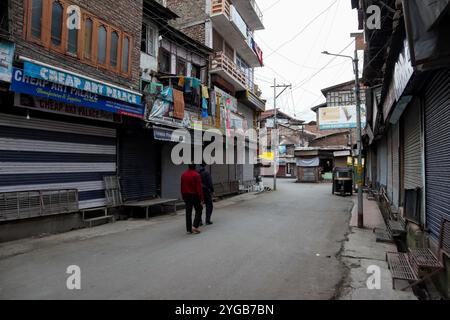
[389,165]
[248,169]
[139,163]
[396,165]
[170,174]
[437,135]
[412,147]
[382,162]
[40,154]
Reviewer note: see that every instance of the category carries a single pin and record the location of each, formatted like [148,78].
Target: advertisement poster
[342,117]
[6,60]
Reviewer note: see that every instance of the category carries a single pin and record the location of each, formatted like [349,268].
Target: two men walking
[197,189]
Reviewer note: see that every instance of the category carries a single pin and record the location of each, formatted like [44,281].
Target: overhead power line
[303,29]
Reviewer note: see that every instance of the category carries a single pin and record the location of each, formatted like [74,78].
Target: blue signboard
[79,82]
[53,91]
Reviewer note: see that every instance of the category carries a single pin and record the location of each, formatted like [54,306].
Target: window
[72,42]
[229,52]
[97,43]
[36,18]
[217,42]
[181,67]
[114,49]
[101,45]
[196,71]
[88,26]
[57,17]
[164,61]
[125,54]
[148,40]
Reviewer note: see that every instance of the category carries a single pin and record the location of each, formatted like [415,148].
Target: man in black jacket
[208,191]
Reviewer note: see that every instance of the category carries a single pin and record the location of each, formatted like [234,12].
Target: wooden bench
[147,204]
[105,215]
[418,265]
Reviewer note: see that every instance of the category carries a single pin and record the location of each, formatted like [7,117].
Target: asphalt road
[279,245]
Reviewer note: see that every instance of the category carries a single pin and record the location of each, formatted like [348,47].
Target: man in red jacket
[191,189]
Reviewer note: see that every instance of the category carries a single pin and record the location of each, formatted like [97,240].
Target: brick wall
[125,15]
[192,17]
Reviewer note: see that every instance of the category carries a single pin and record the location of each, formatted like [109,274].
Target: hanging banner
[48,90]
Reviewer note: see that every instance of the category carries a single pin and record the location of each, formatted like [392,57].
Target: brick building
[71,96]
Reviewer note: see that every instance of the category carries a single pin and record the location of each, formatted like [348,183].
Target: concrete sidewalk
[362,251]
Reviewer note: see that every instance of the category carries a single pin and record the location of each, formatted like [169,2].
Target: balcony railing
[221,61]
[221,7]
[257,9]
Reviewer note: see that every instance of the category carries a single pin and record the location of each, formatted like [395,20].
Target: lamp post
[355,61]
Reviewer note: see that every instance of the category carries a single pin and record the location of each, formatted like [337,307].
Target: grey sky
[283,20]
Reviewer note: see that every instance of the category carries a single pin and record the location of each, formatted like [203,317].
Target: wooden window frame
[45,39]
[130,49]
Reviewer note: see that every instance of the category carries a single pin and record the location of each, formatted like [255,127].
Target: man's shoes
[196,231]
[201,224]
[209,223]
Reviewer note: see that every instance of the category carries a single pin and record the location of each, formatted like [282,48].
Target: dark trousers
[209,204]
[192,201]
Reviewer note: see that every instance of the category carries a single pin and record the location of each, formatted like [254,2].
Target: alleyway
[279,245]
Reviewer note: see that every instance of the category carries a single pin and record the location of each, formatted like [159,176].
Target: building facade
[407,72]
[228,27]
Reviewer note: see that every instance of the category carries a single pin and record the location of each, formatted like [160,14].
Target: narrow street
[278,245]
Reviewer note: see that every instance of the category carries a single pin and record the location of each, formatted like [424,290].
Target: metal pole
[274,143]
[359,139]
[353,159]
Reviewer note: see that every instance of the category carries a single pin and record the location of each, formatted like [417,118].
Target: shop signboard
[51,106]
[79,82]
[48,90]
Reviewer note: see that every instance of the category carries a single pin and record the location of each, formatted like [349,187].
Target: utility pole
[275,130]
[359,140]
[355,61]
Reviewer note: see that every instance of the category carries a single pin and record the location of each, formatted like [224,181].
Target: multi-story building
[227,27]
[73,88]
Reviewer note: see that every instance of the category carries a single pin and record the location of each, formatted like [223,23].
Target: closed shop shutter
[40,154]
[396,165]
[437,135]
[139,162]
[413,177]
[382,162]
[170,174]
[389,165]
[248,170]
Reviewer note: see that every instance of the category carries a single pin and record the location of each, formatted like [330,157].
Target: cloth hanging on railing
[178,104]
[162,105]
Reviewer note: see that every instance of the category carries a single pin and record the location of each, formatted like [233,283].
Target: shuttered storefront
[390,163]
[139,162]
[170,173]
[412,143]
[382,162]
[248,174]
[395,149]
[413,163]
[42,154]
[437,162]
